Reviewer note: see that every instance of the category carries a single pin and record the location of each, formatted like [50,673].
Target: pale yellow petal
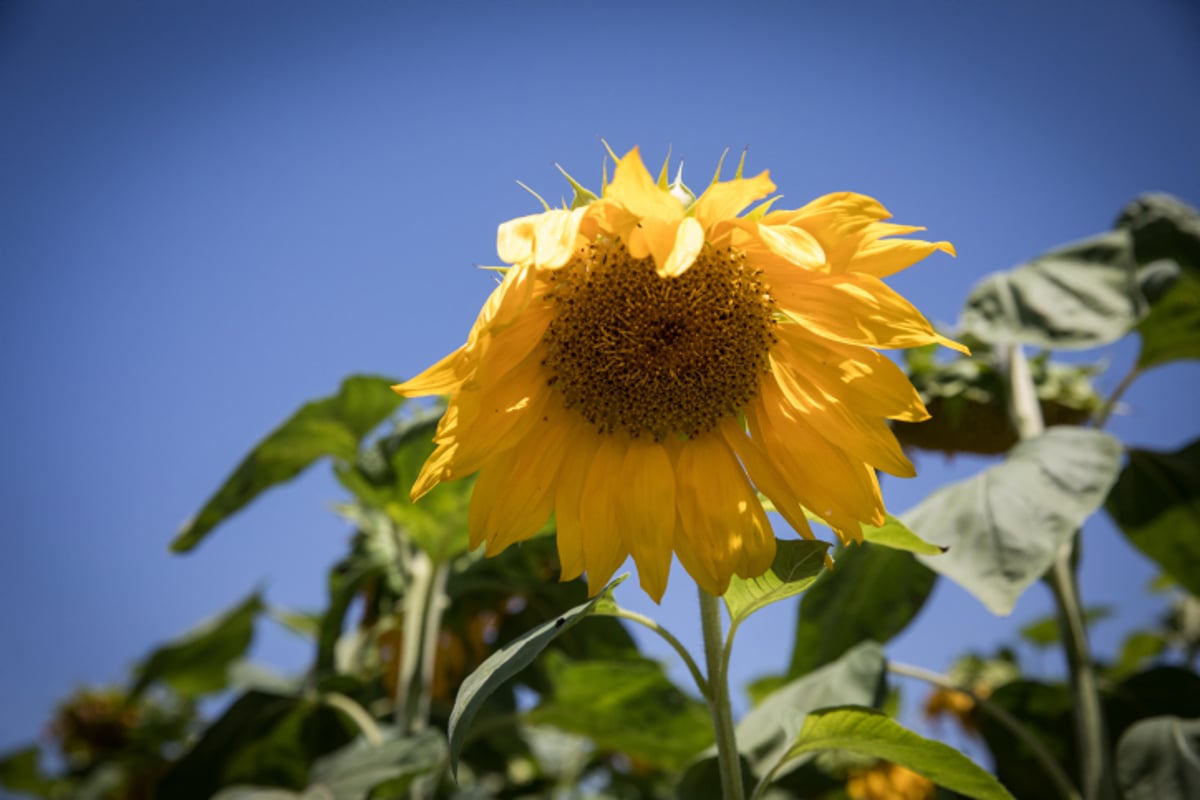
[794,244]
[689,240]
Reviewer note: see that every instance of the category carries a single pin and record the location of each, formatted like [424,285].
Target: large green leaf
[797,564]
[1156,503]
[1082,295]
[332,426]
[1005,525]
[511,659]
[871,733]
[1166,241]
[857,678]
[198,662]
[872,592]
[628,706]
[1159,759]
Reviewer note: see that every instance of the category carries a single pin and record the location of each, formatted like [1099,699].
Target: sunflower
[652,360]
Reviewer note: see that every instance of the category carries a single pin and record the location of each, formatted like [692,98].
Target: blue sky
[211,212]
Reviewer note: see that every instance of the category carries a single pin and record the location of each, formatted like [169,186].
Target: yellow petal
[856,309]
[689,240]
[646,512]
[828,482]
[794,244]
[866,438]
[634,188]
[885,257]
[442,378]
[544,240]
[514,495]
[569,495]
[866,380]
[603,547]
[766,477]
[728,199]
[723,529]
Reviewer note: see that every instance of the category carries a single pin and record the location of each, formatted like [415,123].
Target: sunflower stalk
[1091,737]
[424,602]
[718,700]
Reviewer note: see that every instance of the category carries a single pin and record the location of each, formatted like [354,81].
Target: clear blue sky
[211,212]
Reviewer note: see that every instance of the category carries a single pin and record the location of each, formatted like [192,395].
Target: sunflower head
[653,360]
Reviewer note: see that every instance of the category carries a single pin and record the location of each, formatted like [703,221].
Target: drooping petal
[515,493]
[864,437]
[646,512]
[603,546]
[724,529]
[828,482]
[568,498]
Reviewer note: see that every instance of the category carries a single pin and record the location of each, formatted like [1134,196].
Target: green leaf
[357,770]
[838,613]
[199,662]
[1082,295]
[332,426]
[1045,632]
[1156,503]
[511,659]
[797,564]
[628,706]
[382,478]
[1159,759]
[857,678]
[21,771]
[1139,647]
[1005,525]
[1166,243]
[262,739]
[1172,330]
[870,733]
[896,535]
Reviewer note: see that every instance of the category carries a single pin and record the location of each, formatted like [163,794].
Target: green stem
[435,606]
[1065,788]
[1090,736]
[409,681]
[697,676]
[357,714]
[718,701]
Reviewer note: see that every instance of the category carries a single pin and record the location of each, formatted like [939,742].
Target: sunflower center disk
[657,356]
